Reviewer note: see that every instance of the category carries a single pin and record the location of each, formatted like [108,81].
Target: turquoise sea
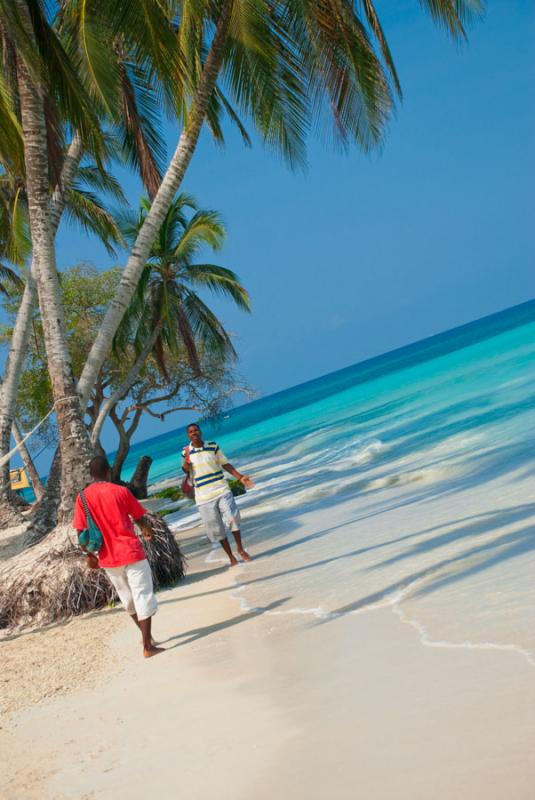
[407,480]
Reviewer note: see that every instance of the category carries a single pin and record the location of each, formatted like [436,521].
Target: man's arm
[244,479]
[187,466]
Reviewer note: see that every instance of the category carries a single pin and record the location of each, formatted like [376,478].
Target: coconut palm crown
[167,297]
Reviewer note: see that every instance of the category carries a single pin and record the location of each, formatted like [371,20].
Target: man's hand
[92,561]
[145,527]
[247,481]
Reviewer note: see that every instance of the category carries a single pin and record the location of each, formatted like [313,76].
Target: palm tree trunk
[13,372]
[74,440]
[125,436]
[125,386]
[29,466]
[44,513]
[23,323]
[161,204]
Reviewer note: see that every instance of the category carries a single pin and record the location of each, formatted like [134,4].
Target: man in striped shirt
[205,462]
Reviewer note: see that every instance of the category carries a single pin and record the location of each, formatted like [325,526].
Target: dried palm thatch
[50,582]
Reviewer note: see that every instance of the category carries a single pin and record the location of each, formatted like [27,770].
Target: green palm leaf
[99,180]
[204,228]
[10,283]
[86,209]
[454,15]
[206,328]
[221,281]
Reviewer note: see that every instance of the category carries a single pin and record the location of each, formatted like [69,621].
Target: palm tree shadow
[207,630]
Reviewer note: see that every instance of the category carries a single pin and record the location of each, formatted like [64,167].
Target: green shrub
[171,493]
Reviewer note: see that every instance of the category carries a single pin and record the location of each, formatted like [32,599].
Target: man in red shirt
[122,556]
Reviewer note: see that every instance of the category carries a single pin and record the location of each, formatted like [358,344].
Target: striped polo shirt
[208,477]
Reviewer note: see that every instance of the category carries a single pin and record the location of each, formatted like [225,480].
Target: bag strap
[88,518]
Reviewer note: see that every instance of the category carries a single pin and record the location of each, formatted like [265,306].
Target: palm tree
[285,64]
[82,206]
[43,95]
[167,314]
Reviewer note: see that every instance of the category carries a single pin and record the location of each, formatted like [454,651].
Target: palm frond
[454,15]
[349,84]
[142,27]
[143,141]
[86,28]
[265,73]
[376,27]
[10,283]
[86,209]
[218,105]
[207,328]
[11,141]
[134,324]
[100,180]
[233,116]
[58,68]
[187,334]
[18,243]
[204,228]
[221,281]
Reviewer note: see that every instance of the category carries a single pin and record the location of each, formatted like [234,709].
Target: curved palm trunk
[74,441]
[23,323]
[125,437]
[125,386]
[161,204]
[29,466]
[44,513]
[10,385]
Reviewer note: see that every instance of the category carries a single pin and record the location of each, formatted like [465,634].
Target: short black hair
[193,425]
[99,467]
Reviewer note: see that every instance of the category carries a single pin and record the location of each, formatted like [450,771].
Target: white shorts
[220,515]
[133,584]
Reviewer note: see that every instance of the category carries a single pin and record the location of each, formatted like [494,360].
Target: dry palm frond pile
[167,562]
[50,582]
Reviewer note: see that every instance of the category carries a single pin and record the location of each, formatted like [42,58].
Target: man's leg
[134,617]
[243,553]
[149,648]
[140,582]
[230,514]
[225,544]
[214,527]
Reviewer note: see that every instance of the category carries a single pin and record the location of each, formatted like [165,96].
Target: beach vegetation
[173,493]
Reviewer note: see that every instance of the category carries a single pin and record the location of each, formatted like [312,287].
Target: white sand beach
[258,704]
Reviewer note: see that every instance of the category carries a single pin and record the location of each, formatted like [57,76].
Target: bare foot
[152,651]
[233,562]
[243,554]
[152,642]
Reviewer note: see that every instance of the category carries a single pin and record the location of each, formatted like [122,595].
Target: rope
[5,459]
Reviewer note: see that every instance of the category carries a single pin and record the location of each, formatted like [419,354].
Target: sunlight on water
[412,488]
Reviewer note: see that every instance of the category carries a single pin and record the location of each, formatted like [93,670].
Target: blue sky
[361,255]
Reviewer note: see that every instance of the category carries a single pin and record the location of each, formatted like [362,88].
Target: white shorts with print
[220,516]
[133,584]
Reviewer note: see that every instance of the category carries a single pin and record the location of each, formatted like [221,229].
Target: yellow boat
[19,479]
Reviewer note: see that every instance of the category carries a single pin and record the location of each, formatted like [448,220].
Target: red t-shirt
[112,507]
